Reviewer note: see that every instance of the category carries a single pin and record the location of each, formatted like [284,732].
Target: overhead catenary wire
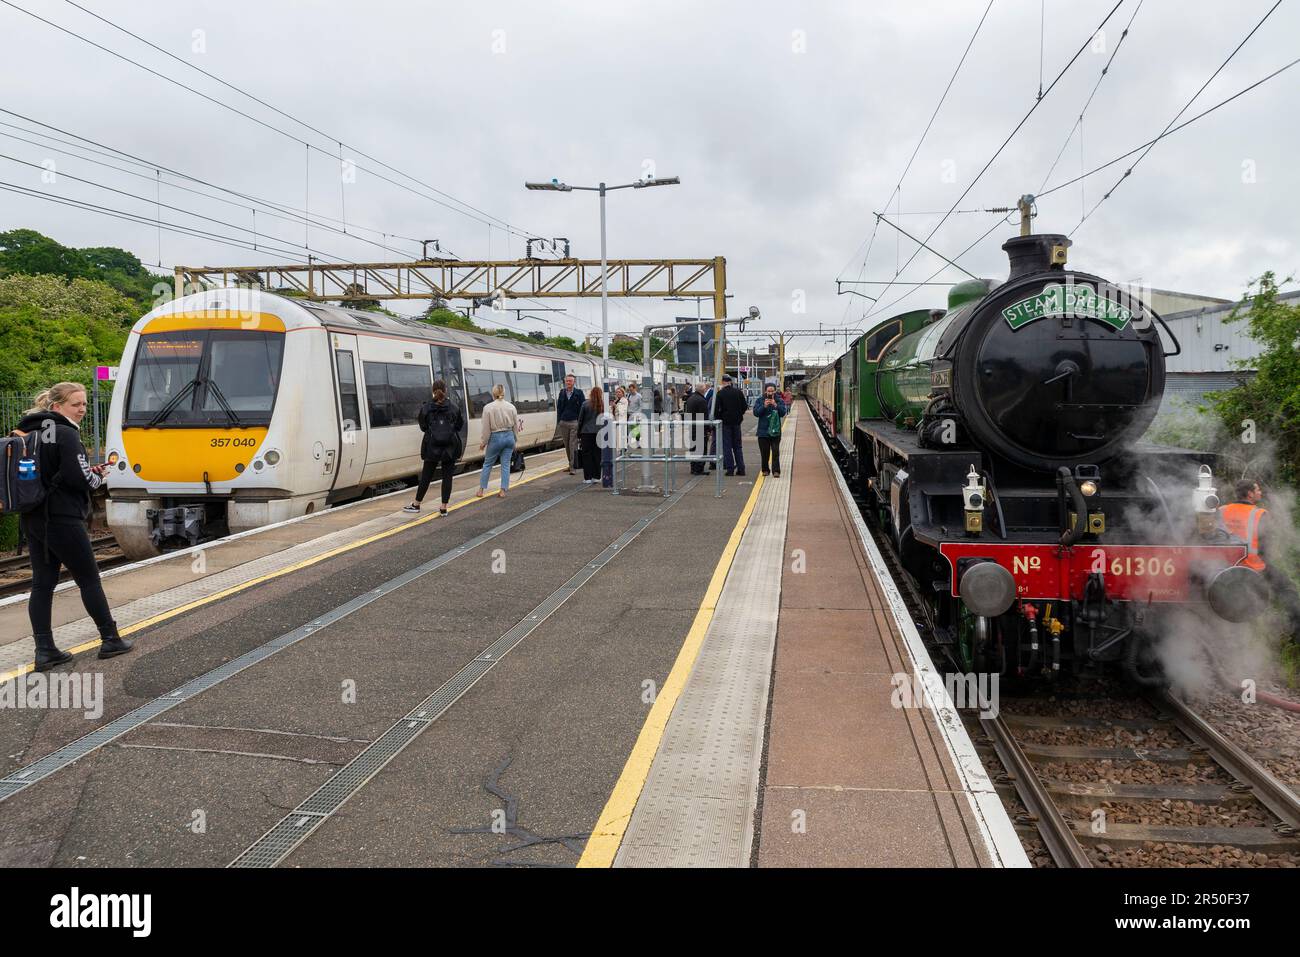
[477,214]
[1105,70]
[1010,136]
[1186,106]
[924,133]
[243,205]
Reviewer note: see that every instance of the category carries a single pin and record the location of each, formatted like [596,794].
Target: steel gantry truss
[482,280]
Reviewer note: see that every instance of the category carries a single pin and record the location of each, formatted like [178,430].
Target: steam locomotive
[998,445]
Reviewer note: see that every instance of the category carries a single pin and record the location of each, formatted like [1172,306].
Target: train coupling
[183,521]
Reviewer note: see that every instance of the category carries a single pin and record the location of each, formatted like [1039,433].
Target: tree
[1270,399]
[28,252]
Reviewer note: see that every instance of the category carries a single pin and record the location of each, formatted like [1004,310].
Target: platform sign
[106,373]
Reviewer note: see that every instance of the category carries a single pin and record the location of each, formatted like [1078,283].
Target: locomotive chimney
[1036,253]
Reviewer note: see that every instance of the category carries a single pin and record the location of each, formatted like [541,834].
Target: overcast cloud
[787,123]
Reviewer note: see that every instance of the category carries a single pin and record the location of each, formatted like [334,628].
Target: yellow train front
[237,409]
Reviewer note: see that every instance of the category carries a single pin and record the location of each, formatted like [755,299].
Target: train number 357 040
[236,443]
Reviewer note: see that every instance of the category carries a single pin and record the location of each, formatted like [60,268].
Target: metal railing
[14,405]
[667,440]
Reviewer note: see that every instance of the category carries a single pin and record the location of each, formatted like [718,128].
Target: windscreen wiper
[173,402]
[215,391]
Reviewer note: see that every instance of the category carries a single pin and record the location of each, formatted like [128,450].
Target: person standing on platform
[710,431]
[567,406]
[440,421]
[1248,520]
[696,411]
[730,406]
[498,441]
[770,409]
[57,529]
[591,419]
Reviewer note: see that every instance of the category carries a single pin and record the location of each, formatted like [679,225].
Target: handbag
[517,461]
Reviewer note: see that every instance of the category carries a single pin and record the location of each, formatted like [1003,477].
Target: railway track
[15,578]
[1161,784]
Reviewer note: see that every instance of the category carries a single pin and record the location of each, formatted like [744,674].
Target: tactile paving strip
[697,806]
[96,739]
[280,841]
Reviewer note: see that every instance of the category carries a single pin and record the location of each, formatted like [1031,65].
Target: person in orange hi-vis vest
[1248,520]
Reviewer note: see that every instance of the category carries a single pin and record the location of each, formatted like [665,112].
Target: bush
[8,532]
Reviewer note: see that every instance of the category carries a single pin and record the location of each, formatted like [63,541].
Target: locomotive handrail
[1178,346]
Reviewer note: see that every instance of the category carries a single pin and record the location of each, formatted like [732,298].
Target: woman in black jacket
[441,421]
[57,532]
[590,419]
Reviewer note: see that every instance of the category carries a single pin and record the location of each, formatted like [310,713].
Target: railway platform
[561,677]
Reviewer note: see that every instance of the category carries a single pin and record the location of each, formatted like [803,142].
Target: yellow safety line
[610,827]
[234,589]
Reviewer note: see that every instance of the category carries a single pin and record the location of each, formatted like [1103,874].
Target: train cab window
[349,402]
[395,392]
[243,372]
[205,377]
[881,338]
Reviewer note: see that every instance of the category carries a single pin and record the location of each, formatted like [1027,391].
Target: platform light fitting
[554,184]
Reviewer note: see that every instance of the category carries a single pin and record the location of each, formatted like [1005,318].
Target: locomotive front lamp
[973,495]
[1088,488]
[1205,501]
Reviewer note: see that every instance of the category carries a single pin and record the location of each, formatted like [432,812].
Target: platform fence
[649,449]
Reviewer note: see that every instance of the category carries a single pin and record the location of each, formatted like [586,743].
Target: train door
[447,367]
[352,431]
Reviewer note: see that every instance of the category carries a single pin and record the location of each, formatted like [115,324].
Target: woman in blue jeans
[499,423]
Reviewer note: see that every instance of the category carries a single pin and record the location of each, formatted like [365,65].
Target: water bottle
[26,469]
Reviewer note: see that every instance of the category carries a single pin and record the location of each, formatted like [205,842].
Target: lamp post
[556,186]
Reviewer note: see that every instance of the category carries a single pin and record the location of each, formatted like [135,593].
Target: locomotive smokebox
[1035,254]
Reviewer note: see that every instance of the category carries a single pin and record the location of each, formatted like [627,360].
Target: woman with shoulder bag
[441,421]
[57,531]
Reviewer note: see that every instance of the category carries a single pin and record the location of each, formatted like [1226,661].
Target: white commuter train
[236,409]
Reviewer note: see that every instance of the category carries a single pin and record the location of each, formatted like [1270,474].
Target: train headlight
[1088,488]
[112,458]
[272,457]
[136,468]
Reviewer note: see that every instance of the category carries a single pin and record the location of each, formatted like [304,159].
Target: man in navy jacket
[567,406]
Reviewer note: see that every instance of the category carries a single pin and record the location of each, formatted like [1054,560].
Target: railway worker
[568,405]
[1248,520]
[441,421]
[696,412]
[500,419]
[730,404]
[58,530]
[591,419]
[770,409]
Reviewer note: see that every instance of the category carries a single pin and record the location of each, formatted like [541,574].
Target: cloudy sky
[789,124]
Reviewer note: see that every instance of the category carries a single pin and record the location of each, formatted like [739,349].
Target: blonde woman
[57,531]
[499,423]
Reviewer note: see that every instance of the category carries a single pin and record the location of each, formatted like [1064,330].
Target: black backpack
[442,427]
[22,486]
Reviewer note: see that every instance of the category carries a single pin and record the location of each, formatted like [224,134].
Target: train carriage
[238,409]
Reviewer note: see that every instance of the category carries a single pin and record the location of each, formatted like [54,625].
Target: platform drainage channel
[12,783]
[280,841]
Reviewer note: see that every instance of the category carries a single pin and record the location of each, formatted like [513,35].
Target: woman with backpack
[57,529]
[770,410]
[500,420]
[441,421]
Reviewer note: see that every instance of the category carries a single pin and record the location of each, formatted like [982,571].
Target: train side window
[881,338]
[349,402]
[478,387]
[526,389]
[395,392]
